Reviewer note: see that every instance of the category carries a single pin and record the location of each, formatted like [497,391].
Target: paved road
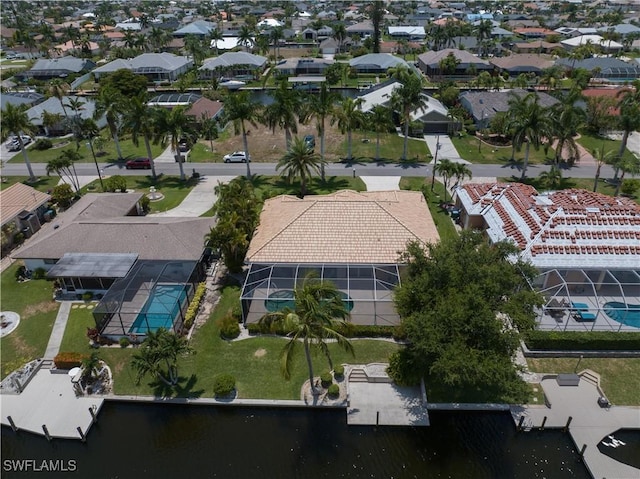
[15,168]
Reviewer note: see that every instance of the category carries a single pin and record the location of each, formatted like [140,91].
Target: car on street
[138,163]
[235,157]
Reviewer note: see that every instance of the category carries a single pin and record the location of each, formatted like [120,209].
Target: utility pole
[435,162]
[95,160]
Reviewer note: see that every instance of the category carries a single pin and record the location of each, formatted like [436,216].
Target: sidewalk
[200,200]
[381,183]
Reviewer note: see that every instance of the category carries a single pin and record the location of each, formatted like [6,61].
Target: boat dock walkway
[590,423]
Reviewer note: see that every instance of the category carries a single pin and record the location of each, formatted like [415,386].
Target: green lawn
[441,218]
[44,183]
[391,147]
[270,186]
[173,189]
[109,155]
[254,362]
[467,147]
[75,335]
[32,300]
[592,142]
[619,378]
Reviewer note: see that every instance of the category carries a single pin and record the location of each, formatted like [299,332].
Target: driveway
[200,200]
[447,149]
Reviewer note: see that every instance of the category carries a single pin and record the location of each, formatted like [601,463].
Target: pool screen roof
[93,265]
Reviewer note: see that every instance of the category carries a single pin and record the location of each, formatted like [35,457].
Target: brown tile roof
[523,59]
[18,198]
[344,227]
[203,105]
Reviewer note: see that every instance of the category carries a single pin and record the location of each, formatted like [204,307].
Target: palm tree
[529,123]
[50,120]
[629,104]
[138,120]
[566,119]
[627,164]
[275,35]
[552,178]
[110,103]
[460,172]
[551,76]
[447,169]
[318,310]
[339,35]
[193,44]
[158,349]
[284,111]
[349,117]
[406,99]
[240,109]
[300,161]
[246,37]
[64,164]
[59,89]
[602,157]
[16,121]
[90,366]
[170,126]
[321,106]
[380,120]
[215,35]
[483,32]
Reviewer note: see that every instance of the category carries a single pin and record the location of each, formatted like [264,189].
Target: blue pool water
[161,308]
[628,314]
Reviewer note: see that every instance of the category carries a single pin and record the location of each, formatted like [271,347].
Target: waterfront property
[351,239]
[156,67]
[586,246]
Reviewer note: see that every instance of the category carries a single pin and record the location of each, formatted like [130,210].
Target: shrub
[39,273]
[582,341]
[145,204]
[229,327]
[18,239]
[21,273]
[63,195]
[42,144]
[401,370]
[124,342]
[115,183]
[333,391]
[87,295]
[630,186]
[223,385]
[68,360]
[338,371]
[326,379]
[192,310]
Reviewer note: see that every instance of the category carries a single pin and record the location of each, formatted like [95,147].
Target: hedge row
[582,341]
[349,331]
[69,360]
[192,310]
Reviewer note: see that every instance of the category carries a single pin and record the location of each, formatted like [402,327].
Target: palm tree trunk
[246,149]
[321,132]
[349,145]
[307,354]
[406,137]
[617,193]
[595,183]
[287,137]
[114,134]
[32,177]
[377,146]
[150,155]
[303,185]
[526,161]
[178,158]
[623,145]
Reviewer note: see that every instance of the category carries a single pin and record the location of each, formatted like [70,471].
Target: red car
[143,163]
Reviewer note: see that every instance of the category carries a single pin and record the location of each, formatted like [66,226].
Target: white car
[235,157]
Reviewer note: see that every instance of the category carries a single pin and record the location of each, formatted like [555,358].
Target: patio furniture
[579,306]
[557,309]
[584,316]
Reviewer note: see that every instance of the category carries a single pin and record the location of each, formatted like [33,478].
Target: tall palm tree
[138,120]
[349,117]
[285,110]
[461,171]
[170,126]
[406,99]
[64,164]
[602,157]
[529,123]
[566,119]
[300,162]
[275,35]
[629,104]
[626,164]
[483,33]
[16,121]
[380,120]
[321,106]
[112,105]
[377,17]
[317,313]
[447,169]
[59,89]
[246,37]
[215,35]
[240,110]
[160,348]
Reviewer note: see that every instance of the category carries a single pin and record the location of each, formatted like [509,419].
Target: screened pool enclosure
[155,294]
[367,289]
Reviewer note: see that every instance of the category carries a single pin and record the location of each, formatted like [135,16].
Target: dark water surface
[135,440]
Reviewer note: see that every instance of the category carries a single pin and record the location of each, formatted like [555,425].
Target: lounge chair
[557,309]
[584,316]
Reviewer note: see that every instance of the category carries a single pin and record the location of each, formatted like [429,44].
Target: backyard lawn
[467,147]
[43,183]
[32,300]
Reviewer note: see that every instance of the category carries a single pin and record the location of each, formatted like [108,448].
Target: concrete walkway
[53,346]
[199,200]
[82,180]
[381,183]
[167,156]
[447,149]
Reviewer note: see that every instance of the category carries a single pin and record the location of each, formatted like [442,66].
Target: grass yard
[441,218]
[43,183]
[391,147]
[467,147]
[75,334]
[32,300]
[270,186]
[592,142]
[619,378]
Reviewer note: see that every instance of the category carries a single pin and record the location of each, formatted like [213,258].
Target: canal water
[149,440]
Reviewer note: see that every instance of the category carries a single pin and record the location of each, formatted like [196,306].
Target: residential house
[595,40]
[16,98]
[52,105]
[23,209]
[157,67]
[533,32]
[522,63]
[351,239]
[622,29]
[606,68]
[303,66]
[46,69]
[536,46]
[468,65]
[407,32]
[234,65]
[376,63]
[361,30]
[199,28]
[483,105]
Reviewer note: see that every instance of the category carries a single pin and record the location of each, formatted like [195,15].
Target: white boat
[232,84]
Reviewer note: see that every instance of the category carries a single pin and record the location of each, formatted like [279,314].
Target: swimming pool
[279,300]
[628,314]
[161,308]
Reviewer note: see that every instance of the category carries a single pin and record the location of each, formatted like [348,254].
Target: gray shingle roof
[158,61]
[380,60]
[234,58]
[485,104]
[603,63]
[199,27]
[68,63]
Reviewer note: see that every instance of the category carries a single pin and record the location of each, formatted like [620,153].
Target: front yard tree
[170,126]
[349,117]
[158,355]
[458,302]
[16,121]
[64,165]
[317,313]
[139,121]
[406,99]
[110,104]
[239,109]
[380,120]
[321,106]
[629,120]
[284,112]
[300,162]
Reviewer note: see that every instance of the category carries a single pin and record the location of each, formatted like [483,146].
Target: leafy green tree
[629,119]
[246,37]
[566,119]
[64,165]
[112,105]
[349,117]
[627,164]
[376,11]
[138,119]
[240,109]
[158,356]
[237,210]
[62,195]
[317,313]
[90,366]
[171,126]
[462,303]
[126,82]
[50,120]
[449,64]
[300,162]
[16,121]
[551,178]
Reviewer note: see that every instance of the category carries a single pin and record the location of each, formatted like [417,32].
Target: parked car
[142,163]
[235,157]
[184,145]
[310,141]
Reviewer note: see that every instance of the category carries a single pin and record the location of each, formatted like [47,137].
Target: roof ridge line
[405,227]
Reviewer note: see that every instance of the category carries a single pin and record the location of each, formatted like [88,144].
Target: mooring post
[46,432]
[94,418]
[377,417]
[544,421]
[82,436]
[13,424]
[581,454]
[520,423]
[566,426]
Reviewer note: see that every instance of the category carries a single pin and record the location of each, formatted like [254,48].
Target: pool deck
[590,422]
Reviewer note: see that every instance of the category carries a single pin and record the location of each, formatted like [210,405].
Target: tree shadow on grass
[540,184]
[184,388]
